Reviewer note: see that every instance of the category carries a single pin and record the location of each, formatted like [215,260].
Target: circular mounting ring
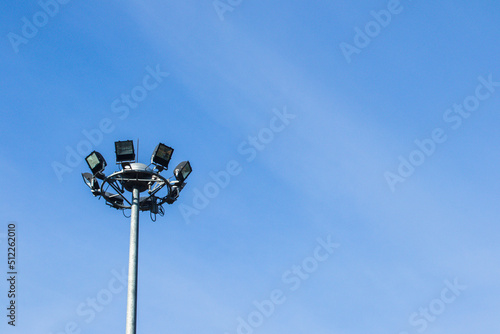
[133,175]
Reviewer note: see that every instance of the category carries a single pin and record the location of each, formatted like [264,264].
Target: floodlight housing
[96,163]
[124,151]
[161,155]
[90,181]
[182,171]
[113,200]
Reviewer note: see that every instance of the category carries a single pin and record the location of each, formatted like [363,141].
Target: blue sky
[387,152]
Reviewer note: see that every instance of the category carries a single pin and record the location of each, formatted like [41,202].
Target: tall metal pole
[132,264]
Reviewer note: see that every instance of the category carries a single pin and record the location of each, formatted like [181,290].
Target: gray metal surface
[132,266]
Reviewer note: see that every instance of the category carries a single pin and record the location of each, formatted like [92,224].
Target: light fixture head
[182,171]
[96,163]
[124,151]
[161,155]
[91,182]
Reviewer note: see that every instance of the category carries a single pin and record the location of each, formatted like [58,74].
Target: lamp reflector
[124,151]
[96,162]
[162,155]
[182,171]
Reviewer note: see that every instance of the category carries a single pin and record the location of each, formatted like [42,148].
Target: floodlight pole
[132,264]
[136,178]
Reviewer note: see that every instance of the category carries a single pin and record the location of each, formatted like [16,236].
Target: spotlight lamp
[92,183]
[113,200]
[96,163]
[182,171]
[124,151]
[161,156]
